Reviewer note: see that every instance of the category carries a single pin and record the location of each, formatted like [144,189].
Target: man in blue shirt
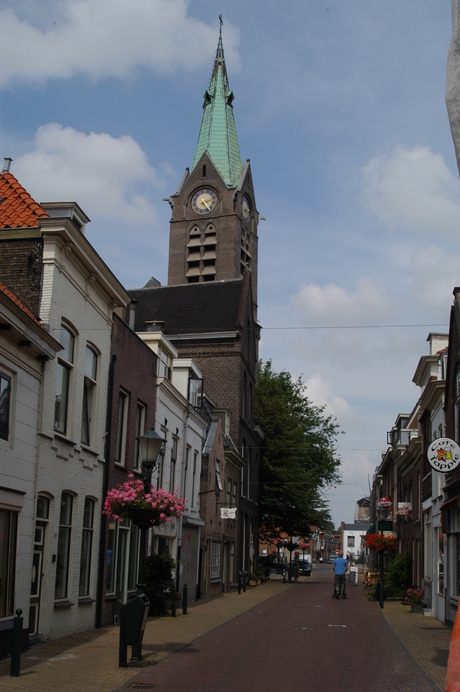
[340,568]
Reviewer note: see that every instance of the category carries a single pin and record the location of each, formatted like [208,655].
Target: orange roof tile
[16,300]
[17,208]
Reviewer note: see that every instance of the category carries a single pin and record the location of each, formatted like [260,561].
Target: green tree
[299,458]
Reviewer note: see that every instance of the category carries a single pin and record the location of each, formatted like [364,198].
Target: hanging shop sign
[384,503]
[228,512]
[404,509]
[443,454]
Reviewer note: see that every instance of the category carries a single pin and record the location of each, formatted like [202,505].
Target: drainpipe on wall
[105,487]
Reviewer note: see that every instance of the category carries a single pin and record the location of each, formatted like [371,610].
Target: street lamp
[381,511]
[150,444]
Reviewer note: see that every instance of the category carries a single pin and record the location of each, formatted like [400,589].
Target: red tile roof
[16,300]
[17,208]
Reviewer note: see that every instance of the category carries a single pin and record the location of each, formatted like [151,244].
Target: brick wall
[135,373]
[21,269]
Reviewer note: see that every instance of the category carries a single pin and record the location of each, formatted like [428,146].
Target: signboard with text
[404,509]
[228,512]
[443,454]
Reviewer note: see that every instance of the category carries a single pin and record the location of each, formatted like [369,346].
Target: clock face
[204,201]
[245,208]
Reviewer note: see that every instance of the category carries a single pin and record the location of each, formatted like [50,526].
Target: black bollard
[244,582]
[184,599]
[16,645]
[173,600]
[239,582]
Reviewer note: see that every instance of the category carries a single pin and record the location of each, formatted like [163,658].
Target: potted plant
[414,597]
[129,501]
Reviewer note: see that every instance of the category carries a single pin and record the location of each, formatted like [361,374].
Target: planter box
[417,608]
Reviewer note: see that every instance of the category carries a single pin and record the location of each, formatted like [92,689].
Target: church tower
[213,228]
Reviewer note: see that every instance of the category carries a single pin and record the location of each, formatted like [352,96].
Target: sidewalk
[424,637]
[89,660]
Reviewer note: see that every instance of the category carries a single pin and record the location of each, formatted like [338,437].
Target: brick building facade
[131,412]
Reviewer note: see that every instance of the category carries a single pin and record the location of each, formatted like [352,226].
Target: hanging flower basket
[378,541]
[128,501]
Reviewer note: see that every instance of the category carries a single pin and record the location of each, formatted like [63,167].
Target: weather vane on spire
[221,21]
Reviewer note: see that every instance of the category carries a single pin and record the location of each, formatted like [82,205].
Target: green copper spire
[218,132]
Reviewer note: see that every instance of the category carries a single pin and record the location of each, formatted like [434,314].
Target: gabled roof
[190,308]
[17,208]
[218,131]
[6,291]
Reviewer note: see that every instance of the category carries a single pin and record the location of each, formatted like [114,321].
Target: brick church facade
[208,310]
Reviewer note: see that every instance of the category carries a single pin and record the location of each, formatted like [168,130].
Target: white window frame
[214,571]
[140,429]
[64,550]
[89,397]
[86,553]
[5,405]
[64,365]
[122,427]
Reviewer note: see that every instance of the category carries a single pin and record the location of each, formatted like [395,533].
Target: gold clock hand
[204,202]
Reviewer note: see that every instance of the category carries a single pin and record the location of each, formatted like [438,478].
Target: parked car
[331,560]
[305,568]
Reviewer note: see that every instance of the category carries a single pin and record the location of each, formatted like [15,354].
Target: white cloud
[109,177]
[103,38]
[435,274]
[332,305]
[413,189]
[321,394]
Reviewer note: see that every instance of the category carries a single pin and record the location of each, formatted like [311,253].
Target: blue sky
[340,108]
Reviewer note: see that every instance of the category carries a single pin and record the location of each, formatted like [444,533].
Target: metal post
[244,581]
[184,599]
[16,644]
[173,600]
[381,584]
[122,645]
[239,582]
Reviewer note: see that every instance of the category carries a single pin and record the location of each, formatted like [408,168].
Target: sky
[340,109]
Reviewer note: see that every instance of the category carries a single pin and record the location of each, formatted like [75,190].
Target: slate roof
[218,131]
[190,308]
[17,208]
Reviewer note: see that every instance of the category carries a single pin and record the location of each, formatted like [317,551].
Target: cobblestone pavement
[276,632]
[301,639]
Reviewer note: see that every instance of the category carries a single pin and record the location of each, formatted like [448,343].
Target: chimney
[6,164]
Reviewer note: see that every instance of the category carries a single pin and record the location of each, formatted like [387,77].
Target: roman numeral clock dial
[204,201]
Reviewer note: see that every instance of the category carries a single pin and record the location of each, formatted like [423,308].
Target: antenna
[369,483]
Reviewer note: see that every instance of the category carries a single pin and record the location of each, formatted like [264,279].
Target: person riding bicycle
[340,568]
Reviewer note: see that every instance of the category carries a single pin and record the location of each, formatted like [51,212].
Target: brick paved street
[300,639]
[273,635]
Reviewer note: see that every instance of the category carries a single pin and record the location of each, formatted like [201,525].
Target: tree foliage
[299,458]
